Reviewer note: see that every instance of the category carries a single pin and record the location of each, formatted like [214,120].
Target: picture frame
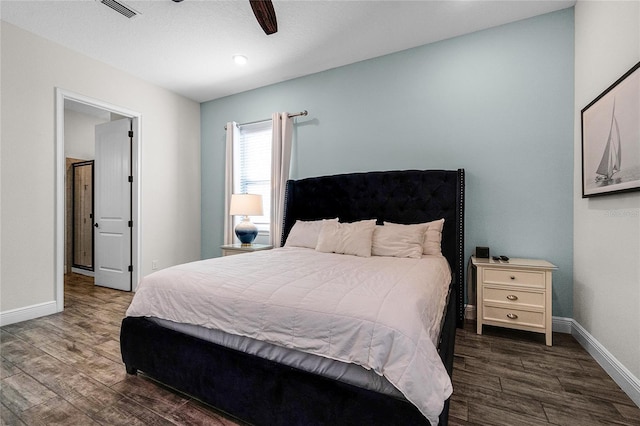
[610,127]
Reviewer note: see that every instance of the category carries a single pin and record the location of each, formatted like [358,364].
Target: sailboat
[610,163]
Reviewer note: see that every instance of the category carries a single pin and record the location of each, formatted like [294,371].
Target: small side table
[515,294]
[231,249]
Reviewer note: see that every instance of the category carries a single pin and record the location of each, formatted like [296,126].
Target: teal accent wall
[498,103]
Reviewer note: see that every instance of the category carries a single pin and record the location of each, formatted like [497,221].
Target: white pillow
[305,233]
[396,240]
[347,238]
[433,237]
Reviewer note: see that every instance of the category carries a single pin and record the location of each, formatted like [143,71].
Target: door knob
[96,225]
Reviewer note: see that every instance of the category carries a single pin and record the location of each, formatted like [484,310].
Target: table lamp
[246,205]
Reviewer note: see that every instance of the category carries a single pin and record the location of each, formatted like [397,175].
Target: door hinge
[130,178]
[130,133]
[130,268]
[130,224]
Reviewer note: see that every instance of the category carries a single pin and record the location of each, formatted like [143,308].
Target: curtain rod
[298,114]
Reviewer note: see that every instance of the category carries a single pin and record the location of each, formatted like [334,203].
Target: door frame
[73,216]
[136,254]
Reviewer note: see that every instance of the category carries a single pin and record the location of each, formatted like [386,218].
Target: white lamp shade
[246,205]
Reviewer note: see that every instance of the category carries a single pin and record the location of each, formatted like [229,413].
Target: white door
[113,204]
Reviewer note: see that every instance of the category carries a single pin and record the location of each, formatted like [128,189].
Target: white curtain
[280,166]
[233,134]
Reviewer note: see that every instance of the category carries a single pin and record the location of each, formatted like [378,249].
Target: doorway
[66,100]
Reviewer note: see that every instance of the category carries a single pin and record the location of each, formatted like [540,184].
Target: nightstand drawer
[514,277]
[514,297]
[513,316]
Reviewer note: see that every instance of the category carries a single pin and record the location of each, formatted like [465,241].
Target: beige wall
[606,289]
[79,134]
[31,69]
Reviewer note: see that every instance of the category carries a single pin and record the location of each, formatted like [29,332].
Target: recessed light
[240,59]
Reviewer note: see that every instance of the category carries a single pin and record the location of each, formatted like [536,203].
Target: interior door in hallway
[113,187]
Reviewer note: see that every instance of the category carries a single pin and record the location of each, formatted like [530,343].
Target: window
[252,168]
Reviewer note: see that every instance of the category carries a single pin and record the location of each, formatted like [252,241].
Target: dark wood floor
[507,377]
[66,369]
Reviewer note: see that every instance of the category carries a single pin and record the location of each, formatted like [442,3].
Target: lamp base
[246,232]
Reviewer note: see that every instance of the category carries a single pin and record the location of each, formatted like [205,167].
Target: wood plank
[67,368]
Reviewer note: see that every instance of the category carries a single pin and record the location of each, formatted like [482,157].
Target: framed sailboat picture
[611,138]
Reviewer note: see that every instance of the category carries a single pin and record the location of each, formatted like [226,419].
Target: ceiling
[187,47]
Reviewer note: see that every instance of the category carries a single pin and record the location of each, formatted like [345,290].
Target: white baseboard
[618,372]
[83,272]
[561,324]
[27,313]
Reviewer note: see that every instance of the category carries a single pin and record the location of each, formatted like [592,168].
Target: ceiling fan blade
[265,14]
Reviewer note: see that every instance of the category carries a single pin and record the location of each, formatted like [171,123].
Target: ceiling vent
[123,10]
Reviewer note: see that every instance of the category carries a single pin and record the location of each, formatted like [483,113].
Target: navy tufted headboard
[404,196]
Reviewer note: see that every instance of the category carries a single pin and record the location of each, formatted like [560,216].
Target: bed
[240,381]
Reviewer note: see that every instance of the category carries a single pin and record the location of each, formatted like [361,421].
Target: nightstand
[230,249]
[514,294]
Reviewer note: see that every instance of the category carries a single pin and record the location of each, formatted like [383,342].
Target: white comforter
[382,313]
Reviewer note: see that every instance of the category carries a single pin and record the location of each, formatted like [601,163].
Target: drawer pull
[512,297]
[513,277]
[512,316]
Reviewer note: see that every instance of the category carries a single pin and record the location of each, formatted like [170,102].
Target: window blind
[252,167]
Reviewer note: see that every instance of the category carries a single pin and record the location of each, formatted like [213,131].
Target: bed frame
[263,392]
